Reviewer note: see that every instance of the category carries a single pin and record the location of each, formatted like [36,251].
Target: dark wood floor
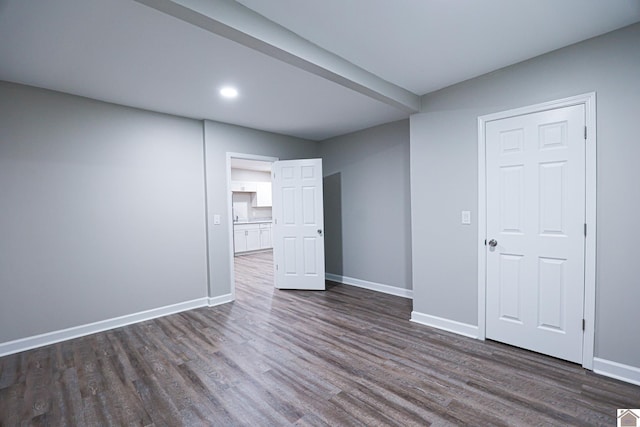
[344,357]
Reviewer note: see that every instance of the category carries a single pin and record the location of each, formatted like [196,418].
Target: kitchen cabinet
[244,186]
[246,237]
[239,241]
[265,236]
[262,198]
[261,192]
[251,237]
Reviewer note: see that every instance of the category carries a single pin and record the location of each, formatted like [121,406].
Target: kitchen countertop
[253,221]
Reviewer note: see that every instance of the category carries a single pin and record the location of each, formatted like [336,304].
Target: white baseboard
[378,287]
[460,328]
[48,338]
[619,371]
[222,299]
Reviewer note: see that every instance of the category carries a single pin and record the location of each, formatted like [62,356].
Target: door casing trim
[589,102]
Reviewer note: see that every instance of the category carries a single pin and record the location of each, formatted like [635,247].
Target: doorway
[294,228]
[250,216]
[537,228]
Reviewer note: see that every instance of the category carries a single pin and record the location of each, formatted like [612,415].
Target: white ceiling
[425,45]
[126,52]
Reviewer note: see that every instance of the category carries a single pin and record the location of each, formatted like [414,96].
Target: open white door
[298,224]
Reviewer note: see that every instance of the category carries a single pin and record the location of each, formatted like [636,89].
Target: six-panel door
[298,227]
[536,214]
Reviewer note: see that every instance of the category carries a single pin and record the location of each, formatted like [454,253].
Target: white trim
[378,287]
[459,328]
[589,337]
[482,230]
[589,102]
[222,299]
[48,338]
[544,106]
[231,155]
[619,371]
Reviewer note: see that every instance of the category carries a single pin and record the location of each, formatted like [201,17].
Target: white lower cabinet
[265,236]
[239,240]
[251,237]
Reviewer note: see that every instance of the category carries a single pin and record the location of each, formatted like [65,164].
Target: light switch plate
[216,219]
[466,217]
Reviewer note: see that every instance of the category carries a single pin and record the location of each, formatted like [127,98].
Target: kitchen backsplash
[243,210]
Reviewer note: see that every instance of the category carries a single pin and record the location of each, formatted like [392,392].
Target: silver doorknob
[493,243]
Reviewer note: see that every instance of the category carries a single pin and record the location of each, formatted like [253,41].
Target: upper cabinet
[262,198]
[244,186]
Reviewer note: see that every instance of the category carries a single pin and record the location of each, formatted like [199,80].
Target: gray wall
[367,205]
[444,172]
[102,211]
[221,138]
[103,208]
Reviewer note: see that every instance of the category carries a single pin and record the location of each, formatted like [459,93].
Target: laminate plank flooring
[342,357]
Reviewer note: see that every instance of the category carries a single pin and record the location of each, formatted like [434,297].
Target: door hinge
[585,132]
[585,229]
[276,267]
[584,324]
[485,242]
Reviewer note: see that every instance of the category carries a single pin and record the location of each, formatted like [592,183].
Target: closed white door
[535,167]
[298,224]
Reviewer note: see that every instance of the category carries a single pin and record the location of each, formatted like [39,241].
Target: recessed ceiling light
[229,92]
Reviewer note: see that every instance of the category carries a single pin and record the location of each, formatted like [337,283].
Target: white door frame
[589,102]
[230,155]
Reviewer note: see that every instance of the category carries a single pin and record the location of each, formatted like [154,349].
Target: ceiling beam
[238,23]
